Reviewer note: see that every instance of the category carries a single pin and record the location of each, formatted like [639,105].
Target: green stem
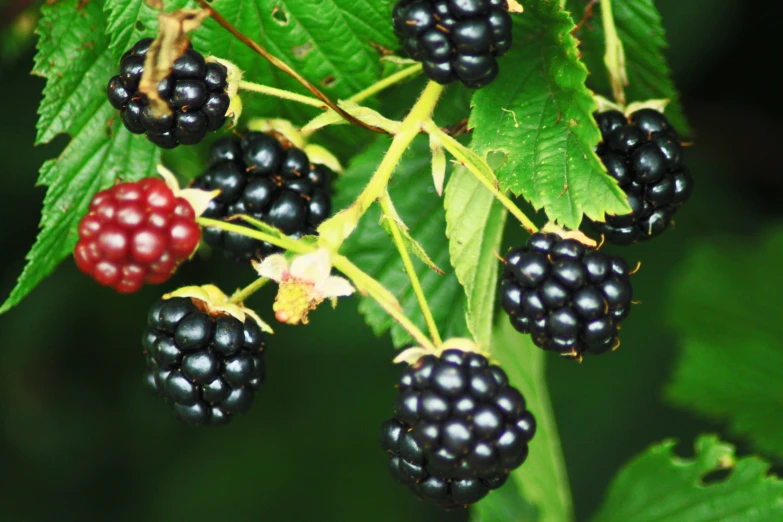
[411,126]
[485,175]
[614,58]
[385,83]
[280,93]
[242,295]
[363,281]
[383,297]
[411,271]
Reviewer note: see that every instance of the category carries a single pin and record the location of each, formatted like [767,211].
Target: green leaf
[538,112]
[644,39]
[658,485]
[328,42]
[74,58]
[728,316]
[541,481]
[371,249]
[475,222]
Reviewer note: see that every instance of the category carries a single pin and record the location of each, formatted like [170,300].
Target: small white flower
[305,284]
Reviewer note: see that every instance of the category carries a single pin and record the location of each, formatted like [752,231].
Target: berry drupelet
[271,181]
[643,153]
[207,367]
[458,428]
[135,233]
[569,297]
[455,39]
[195,91]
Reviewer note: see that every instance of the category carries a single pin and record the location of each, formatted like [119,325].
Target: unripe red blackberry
[195,91]
[458,429]
[455,39]
[271,181]
[207,367]
[135,233]
[569,297]
[643,153]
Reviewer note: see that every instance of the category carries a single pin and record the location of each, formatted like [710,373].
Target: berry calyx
[206,363]
[269,180]
[136,233]
[455,39]
[644,154]
[458,428]
[570,297]
[196,92]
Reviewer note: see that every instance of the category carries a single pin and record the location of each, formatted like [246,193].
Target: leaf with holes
[74,58]
[658,485]
[728,319]
[539,113]
[644,40]
[368,247]
[334,44]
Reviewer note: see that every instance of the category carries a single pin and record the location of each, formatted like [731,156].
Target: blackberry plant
[415,236]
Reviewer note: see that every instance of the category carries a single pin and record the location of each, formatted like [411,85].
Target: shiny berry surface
[195,92]
[271,181]
[208,368]
[455,39]
[575,300]
[135,233]
[458,429]
[644,154]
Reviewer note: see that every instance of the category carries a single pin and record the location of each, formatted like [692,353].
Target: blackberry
[455,39]
[569,297]
[195,91]
[269,180]
[135,233]
[644,154]
[208,368]
[458,428]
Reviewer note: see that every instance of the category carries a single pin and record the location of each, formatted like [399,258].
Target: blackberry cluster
[208,368]
[135,233]
[570,298]
[455,39]
[644,155]
[458,428]
[195,91]
[273,182]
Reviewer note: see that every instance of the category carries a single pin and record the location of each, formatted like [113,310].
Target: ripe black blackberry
[272,181]
[207,367]
[455,39]
[569,297]
[195,91]
[643,153]
[458,428]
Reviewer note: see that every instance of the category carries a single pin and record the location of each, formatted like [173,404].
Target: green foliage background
[81,441]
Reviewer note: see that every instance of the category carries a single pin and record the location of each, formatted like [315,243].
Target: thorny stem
[284,67]
[411,126]
[614,58]
[241,295]
[281,93]
[363,281]
[409,269]
[463,156]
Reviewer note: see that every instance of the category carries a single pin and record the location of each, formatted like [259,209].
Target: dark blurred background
[81,440]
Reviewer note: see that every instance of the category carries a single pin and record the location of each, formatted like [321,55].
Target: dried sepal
[577,235]
[170,43]
[283,128]
[605,105]
[321,156]
[233,79]
[515,7]
[211,300]
[411,355]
